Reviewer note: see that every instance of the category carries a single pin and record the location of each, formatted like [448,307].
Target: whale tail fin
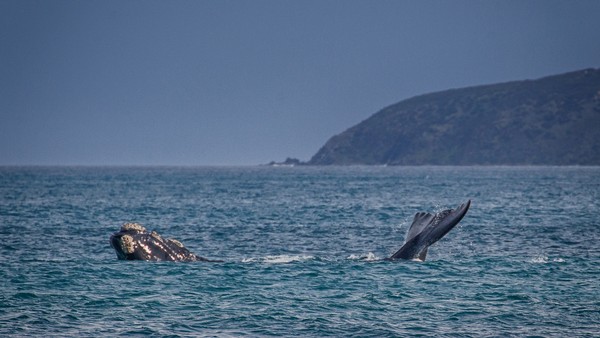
[428,228]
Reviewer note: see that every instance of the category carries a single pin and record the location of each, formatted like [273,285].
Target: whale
[426,229]
[134,242]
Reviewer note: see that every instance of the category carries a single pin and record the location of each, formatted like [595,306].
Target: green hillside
[554,120]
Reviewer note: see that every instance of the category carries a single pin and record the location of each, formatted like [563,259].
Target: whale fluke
[427,229]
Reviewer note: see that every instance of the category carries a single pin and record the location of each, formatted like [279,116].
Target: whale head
[134,242]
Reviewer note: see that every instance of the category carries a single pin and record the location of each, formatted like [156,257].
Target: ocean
[303,250]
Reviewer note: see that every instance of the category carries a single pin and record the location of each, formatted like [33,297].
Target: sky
[199,83]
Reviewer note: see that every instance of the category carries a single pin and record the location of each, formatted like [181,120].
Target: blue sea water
[525,261]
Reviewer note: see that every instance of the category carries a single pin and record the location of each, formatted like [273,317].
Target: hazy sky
[247,82]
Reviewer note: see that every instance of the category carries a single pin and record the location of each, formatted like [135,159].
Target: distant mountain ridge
[554,120]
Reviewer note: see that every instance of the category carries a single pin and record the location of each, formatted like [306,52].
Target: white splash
[541,259]
[368,257]
[279,259]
